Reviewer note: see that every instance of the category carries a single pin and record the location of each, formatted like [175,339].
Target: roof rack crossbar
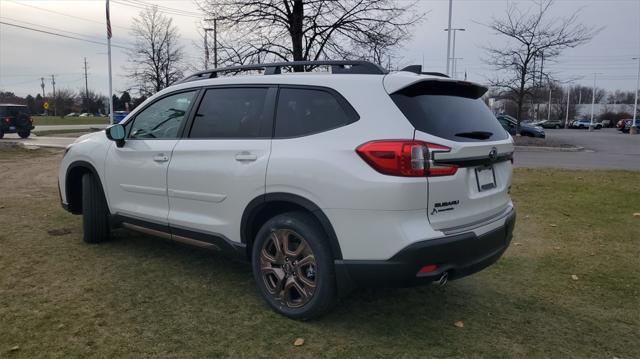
[417,69]
[337,67]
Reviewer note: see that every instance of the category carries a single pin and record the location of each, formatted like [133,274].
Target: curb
[548,149]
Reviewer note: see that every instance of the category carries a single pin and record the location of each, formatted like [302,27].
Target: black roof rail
[417,69]
[275,68]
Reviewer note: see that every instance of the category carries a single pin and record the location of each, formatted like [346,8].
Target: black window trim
[346,107]
[180,134]
[270,104]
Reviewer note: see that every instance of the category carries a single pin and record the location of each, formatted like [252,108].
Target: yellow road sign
[45,105]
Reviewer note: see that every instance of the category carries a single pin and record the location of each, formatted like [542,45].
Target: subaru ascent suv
[324,181]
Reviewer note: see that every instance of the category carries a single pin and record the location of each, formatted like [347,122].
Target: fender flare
[67,188]
[257,203]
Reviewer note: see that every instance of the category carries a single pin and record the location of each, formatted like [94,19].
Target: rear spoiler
[413,83]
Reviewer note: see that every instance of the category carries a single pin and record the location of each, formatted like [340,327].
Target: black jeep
[15,119]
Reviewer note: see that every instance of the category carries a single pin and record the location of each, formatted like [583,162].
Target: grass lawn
[63,133]
[138,296]
[52,120]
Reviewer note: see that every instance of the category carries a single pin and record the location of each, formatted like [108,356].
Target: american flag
[108,22]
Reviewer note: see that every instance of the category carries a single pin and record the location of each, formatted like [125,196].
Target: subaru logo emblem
[493,154]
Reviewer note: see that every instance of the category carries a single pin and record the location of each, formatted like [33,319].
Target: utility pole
[86,86]
[215,43]
[42,85]
[566,119]
[634,129]
[53,84]
[449,37]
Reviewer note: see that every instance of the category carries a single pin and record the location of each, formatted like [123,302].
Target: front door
[136,173]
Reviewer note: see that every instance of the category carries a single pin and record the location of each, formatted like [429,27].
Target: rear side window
[305,111]
[232,113]
[449,110]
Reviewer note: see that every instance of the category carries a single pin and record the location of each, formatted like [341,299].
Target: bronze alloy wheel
[288,268]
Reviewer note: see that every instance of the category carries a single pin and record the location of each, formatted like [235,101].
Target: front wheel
[95,212]
[24,134]
[293,266]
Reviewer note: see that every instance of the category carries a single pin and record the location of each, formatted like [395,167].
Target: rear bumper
[459,255]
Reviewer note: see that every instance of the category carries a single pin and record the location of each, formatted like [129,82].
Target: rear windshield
[450,110]
[13,110]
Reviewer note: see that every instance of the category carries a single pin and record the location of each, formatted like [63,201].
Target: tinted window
[307,111]
[13,110]
[163,118]
[450,111]
[231,113]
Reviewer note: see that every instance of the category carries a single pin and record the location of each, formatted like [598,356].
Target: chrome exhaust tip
[442,281]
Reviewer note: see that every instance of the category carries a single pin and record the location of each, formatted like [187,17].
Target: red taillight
[428,269]
[30,119]
[7,120]
[405,158]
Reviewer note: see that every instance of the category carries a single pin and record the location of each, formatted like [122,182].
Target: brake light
[7,120]
[405,158]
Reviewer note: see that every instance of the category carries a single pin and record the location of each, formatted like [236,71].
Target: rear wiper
[478,135]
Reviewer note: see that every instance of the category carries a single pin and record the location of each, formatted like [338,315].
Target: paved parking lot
[604,149]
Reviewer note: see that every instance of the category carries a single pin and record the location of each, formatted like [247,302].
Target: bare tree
[531,36]
[284,30]
[156,56]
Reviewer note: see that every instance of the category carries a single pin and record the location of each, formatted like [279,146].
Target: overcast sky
[26,56]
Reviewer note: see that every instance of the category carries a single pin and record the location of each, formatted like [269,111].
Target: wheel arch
[73,184]
[263,207]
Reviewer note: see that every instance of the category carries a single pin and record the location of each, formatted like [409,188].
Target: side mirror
[116,133]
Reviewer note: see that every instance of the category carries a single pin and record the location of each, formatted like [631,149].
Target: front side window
[163,118]
[232,113]
[303,111]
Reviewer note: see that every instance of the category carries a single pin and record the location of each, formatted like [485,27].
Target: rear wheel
[24,134]
[557,127]
[293,266]
[95,212]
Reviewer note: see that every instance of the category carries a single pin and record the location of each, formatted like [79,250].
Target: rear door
[470,155]
[220,166]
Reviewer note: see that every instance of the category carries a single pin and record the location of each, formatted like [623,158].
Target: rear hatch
[470,154]
[15,116]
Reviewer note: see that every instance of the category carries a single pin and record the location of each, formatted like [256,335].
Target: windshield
[449,110]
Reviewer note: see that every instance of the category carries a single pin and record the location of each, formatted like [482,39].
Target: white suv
[325,181]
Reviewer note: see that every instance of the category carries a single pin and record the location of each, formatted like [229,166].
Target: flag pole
[109,55]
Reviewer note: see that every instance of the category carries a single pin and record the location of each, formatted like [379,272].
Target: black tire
[24,134]
[95,212]
[557,127]
[322,275]
[1,133]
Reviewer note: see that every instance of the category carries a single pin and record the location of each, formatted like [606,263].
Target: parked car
[85,114]
[15,119]
[620,124]
[550,124]
[118,116]
[584,123]
[72,114]
[509,124]
[281,170]
[627,125]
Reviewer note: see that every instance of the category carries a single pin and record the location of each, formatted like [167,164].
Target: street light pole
[449,36]
[593,100]
[549,104]
[566,119]
[452,73]
[215,43]
[634,129]
[206,49]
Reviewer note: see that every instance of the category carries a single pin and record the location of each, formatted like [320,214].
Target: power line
[44,26]
[61,35]
[67,15]
[162,9]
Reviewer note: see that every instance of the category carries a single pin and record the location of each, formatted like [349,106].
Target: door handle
[161,157]
[246,157]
